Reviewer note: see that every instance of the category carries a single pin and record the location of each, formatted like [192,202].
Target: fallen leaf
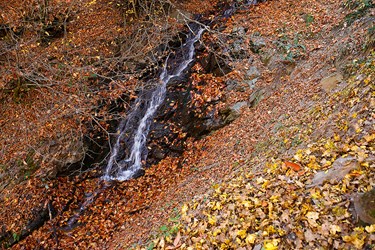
[312,217]
[309,235]
[293,165]
[177,239]
[250,238]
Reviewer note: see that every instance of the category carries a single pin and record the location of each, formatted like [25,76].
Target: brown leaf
[177,239]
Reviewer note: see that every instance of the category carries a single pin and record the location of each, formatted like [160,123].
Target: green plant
[168,231]
[292,49]
[359,7]
[309,19]
[16,237]
[151,246]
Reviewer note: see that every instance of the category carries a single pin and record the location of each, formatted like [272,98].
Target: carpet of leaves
[274,206]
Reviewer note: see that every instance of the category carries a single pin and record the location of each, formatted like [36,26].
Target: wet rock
[179,117]
[341,167]
[141,172]
[330,82]
[257,42]
[40,217]
[364,205]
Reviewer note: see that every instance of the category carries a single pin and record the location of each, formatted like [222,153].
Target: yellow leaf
[246,203]
[369,138]
[334,229]
[217,206]
[370,229]
[212,220]
[336,137]
[216,232]
[241,234]
[298,156]
[316,195]
[260,180]
[347,238]
[358,243]
[250,238]
[184,209]
[270,245]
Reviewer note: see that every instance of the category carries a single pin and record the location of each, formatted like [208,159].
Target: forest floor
[252,184]
[261,182]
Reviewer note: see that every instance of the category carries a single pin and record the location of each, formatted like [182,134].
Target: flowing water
[129,150]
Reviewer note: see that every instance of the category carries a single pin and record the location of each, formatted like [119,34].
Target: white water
[122,170]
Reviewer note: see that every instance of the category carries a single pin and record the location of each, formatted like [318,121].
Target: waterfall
[134,130]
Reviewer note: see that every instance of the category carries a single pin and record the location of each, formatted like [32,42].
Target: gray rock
[237,107]
[237,49]
[341,167]
[257,247]
[236,85]
[239,31]
[256,97]
[241,85]
[251,83]
[266,55]
[233,112]
[330,82]
[256,43]
[252,73]
[364,205]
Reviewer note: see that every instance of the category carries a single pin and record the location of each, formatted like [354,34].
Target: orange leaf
[293,165]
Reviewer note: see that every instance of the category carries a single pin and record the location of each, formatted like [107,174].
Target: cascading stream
[122,167]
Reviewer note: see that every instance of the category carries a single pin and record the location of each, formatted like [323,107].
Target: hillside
[277,151]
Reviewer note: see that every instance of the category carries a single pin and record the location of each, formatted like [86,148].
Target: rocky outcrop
[58,154]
